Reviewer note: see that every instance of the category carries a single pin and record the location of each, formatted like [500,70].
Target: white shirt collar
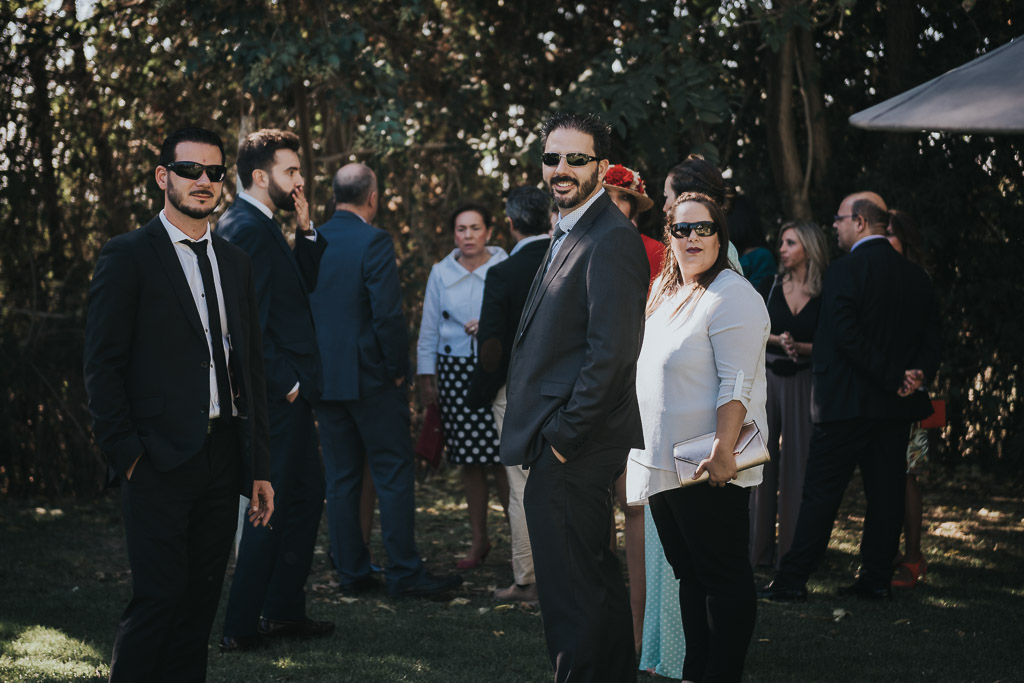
[177,235]
[527,240]
[862,240]
[257,203]
[568,222]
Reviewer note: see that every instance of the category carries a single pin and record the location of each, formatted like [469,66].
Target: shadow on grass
[64,582]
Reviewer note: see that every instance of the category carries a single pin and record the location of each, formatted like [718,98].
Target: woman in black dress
[793,304]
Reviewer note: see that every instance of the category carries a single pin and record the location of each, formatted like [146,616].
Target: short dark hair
[258,149]
[471,206]
[353,184]
[189,134]
[589,124]
[745,224]
[876,217]
[694,174]
[529,210]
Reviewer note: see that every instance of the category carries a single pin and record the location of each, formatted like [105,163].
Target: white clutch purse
[750,452]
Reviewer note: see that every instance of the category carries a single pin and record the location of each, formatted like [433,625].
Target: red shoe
[908,574]
[473,562]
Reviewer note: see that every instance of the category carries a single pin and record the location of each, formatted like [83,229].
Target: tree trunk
[782,138]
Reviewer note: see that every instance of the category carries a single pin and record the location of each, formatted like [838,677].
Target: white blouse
[708,354]
[454,297]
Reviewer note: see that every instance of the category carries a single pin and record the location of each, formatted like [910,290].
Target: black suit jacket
[147,361]
[284,278]
[878,319]
[572,377]
[505,291]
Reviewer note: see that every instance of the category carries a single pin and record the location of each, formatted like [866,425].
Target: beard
[573,199]
[178,201]
[284,201]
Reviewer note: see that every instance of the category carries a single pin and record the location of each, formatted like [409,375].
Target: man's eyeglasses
[193,170]
[838,217]
[576,159]
[702,228]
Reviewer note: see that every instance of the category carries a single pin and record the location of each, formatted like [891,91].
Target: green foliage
[444,101]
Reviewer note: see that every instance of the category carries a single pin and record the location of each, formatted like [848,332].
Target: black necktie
[220,363]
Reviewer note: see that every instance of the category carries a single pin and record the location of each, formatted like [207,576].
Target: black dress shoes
[361,586]
[428,585]
[242,643]
[866,591]
[303,628]
[778,592]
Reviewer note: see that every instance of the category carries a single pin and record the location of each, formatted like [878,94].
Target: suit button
[205,365]
[447,348]
[444,314]
[204,409]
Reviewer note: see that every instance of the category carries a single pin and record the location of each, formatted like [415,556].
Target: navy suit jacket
[147,361]
[878,319]
[357,307]
[505,291]
[572,377]
[284,277]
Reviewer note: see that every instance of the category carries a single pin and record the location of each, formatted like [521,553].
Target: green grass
[64,582]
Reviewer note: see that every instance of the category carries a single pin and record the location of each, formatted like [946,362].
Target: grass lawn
[64,582]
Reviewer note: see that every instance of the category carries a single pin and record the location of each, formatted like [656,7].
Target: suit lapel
[172,267]
[543,278]
[276,235]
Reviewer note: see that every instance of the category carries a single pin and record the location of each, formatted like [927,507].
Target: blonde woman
[793,305]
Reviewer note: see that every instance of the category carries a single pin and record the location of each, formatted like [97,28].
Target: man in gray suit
[572,411]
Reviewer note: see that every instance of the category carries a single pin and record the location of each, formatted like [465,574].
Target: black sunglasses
[702,228]
[576,159]
[193,170]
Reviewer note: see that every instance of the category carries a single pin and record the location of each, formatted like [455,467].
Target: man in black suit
[268,591]
[174,373]
[572,409]
[364,411]
[527,212]
[876,345]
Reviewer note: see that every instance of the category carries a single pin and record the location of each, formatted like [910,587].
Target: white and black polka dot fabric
[470,437]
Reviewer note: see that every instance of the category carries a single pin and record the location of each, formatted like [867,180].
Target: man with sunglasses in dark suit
[572,412]
[268,590]
[174,373]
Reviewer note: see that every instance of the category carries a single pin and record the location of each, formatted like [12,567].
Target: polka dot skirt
[470,437]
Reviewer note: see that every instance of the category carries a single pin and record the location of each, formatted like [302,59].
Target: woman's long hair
[812,239]
[670,280]
[903,227]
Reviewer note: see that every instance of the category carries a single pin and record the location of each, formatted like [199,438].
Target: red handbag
[936,420]
[430,445]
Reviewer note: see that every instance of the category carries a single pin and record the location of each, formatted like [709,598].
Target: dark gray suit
[572,385]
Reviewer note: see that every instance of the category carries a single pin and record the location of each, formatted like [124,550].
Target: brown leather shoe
[242,643]
[518,593]
[303,628]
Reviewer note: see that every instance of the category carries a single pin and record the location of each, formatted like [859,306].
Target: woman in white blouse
[701,370]
[446,357]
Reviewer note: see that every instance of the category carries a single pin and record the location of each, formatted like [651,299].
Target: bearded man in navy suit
[268,591]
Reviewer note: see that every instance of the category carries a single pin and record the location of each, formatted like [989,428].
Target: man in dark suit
[364,411]
[527,212]
[572,409]
[174,373]
[268,590]
[875,346]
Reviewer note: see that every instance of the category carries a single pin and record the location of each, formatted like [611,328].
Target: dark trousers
[179,526]
[588,625]
[274,561]
[879,448]
[373,429]
[705,532]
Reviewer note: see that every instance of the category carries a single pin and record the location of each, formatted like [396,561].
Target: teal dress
[759,269]
[663,645]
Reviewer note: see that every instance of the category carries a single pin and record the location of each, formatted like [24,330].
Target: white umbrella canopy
[985,95]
